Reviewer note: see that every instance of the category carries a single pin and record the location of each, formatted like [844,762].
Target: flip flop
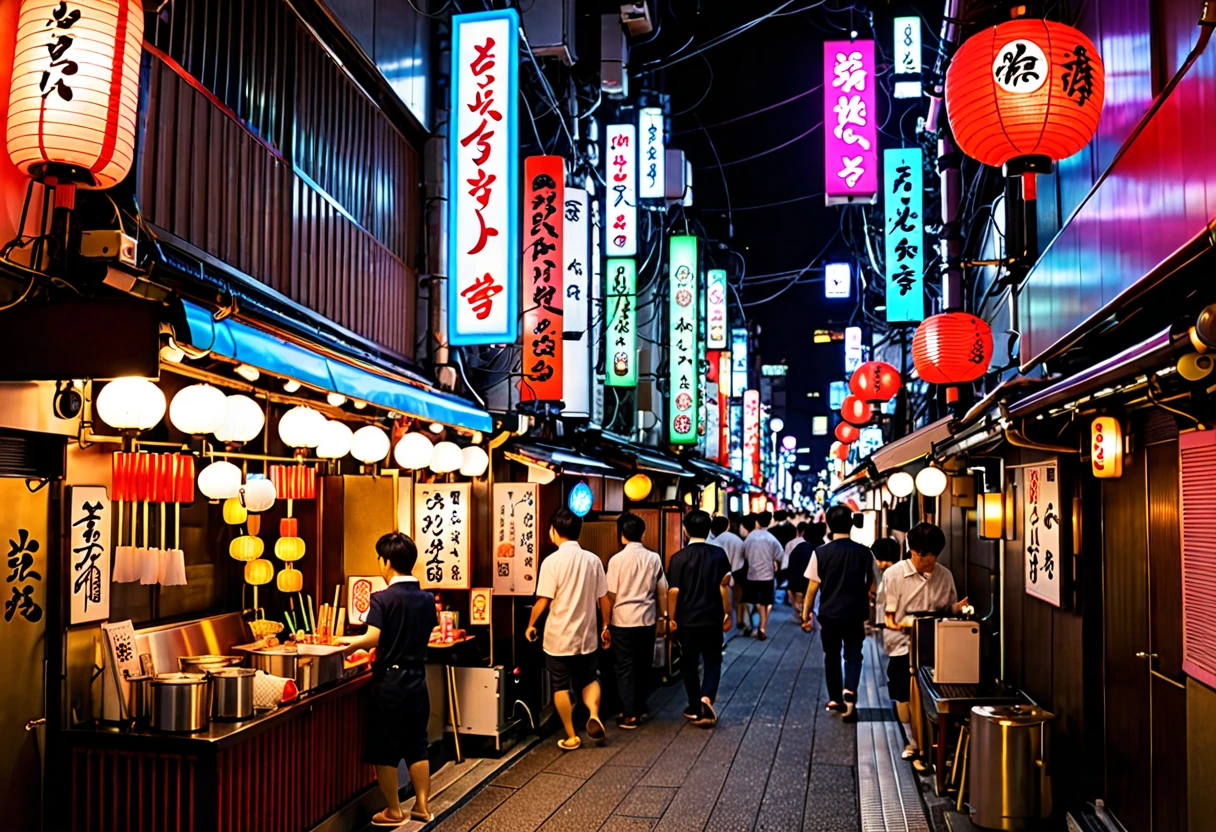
[762,636]
[570,744]
[382,819]
[908,753]
[422,817]
[595,729]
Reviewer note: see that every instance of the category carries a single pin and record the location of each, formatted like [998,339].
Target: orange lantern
[875,381]
[289,527]
[288,549]
[1024,88]
[855,411]
[289,580]
[246,547]
[72,106]
[258,572]
[952,348]
[847,433]
[234,513]
[1106,448]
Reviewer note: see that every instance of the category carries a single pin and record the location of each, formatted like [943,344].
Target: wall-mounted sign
[682,399]
[479,606]
[736,437]
[441,530]
[598,316]
[576,375]
[715,310]
[850,122]
[621,336]
[774,370]
[514,513]
[738,361]
[854,350]
[819,427]
[483,236]
[724,373]
[712,421]
[652,173]
[543,283]
[904,231]
[621,174]
[837,280]
[907,56]
[1042,516]
[1106,447]
[837,391]
[89,522]
[751,435]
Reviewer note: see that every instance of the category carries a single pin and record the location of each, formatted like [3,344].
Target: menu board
[441,530]
[1041,513]
[514,516]
[89,517]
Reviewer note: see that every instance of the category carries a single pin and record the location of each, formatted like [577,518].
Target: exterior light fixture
[474,461]
[302,427]
[243,420]
[875,381]
[447,458]
[258,493]
[776,424]
[220,480]
[1106,448]
[901,484]
[991,516]
[581,499]
[637,487]
[837,281]
[131,404]
[846,432]
[855,411]
[789,442]
[369,445]
[414,451]
[198,409]
[435,427]
[931,481]
[335,399]
[290,385]
[248,372]
[360,405]
[336,440]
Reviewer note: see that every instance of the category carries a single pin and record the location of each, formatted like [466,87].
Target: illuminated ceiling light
[335,399]
[360,405]
[258,493]
[931,481]
[414,451]
[248,372]
[370,445]
[435,427]
[901,484]
[220,480]
[198,409]
[131,404]
[243,420]
[290,385]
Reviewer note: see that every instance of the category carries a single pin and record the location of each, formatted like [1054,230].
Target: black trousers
[633,651]
[696,644]
[850,635]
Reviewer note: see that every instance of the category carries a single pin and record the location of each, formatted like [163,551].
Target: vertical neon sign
[621,174]
[849,122]
[621,337]
[682,401]
[904,229]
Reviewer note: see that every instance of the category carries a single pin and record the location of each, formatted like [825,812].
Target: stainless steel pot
[206,664]
[232,694]
[181,702]
[289,665]
[140,700]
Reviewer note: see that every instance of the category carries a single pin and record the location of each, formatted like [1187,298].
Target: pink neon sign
[850,120]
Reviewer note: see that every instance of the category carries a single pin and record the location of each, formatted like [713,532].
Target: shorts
[759,592]
[798,584]
[397,718]
[899,678]
[571,672]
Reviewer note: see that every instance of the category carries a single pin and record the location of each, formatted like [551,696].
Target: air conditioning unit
[614,57]
[675,174]
[549,25]
[636,18]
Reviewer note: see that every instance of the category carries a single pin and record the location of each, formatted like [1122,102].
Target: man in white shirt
[732,544]
[637,598]
[763,554]
[917,585]
[570,585]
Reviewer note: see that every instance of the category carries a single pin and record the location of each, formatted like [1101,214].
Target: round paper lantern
[840,450]
[637,487]
[413,451]
[1106,447]
[1024,88]
[234,513]
[72,107]
[289,580]
[875,381]
[581,499]
[289,549]
[447,458]
[258,572]
[855,411]
[789,442]
[131,404]
[302,427]
[847,433]
[220,480]
[198,409]
[243,420]
[474,461]
[370,445]
[289,527]
[901,484]
[952,348]
[258,493]
[246,547]
[335,440]
[931,481]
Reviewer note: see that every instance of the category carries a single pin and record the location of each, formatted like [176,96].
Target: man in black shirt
[782,528]
[699,606]
[399,624]
[844,570]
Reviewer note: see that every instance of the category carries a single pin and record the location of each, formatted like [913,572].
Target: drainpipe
[435,211]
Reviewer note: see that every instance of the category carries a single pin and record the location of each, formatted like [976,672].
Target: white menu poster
[1041,518]
[441,530]
[515,537]
[89,519]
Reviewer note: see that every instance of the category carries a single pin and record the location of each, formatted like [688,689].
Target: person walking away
[699,606]
[733,545]
[399,623]
[782,529]
[917,585]
[783,573]
[738,581]
[844,570]
[763,554]
[570,584]
[797,556]
[637,599]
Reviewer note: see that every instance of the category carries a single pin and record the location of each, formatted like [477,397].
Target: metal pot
[232,695]
[206,664]
[181,702]
[289,665]
[140,700]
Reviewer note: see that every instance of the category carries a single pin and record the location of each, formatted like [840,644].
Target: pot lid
[1007,715]
[233,672]
[180,679]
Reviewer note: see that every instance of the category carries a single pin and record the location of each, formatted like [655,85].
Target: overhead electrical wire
[722,38]
[792,98]
[771,204]
[763,153]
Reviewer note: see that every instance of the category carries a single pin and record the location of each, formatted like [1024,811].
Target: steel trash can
[1009,766]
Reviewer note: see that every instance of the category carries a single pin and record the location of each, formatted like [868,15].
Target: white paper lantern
[258,494]
[900,484]
[413,451]
[220,480]
[447,458]
[931,481]
[198,409]
[131,404]
[336,440]
[369,444]
[302,427]
[474,461]
[243,420]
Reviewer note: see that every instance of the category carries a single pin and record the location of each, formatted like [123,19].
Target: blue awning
[249,345]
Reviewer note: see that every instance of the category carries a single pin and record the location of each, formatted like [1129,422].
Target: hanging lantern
[847,433]
[220,480]
[289,580]
[952,348]
[875,381]
[931,481]
[72,107]
[131,404]
[258,493]
[1024,88]
[289,527]
[637,487]
[474,461]
[302,427]
[1106,448]
[243,420]
[581,499]
[991,516]
[289,549]
[370,445]
[855,411]
[246,547]
[901,484]
[198,409]
[235,514]
[258,572]
[414,451]
[336,440]
[840,450]
[447,458]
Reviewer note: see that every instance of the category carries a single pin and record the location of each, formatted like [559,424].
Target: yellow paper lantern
[246,547]
[1106,448]
[234,513]
[289,549]
[992,516]
[258,572]
[289,580]
[637,487]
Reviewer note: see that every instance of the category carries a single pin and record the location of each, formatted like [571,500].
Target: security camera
[1195,367]
[67,402]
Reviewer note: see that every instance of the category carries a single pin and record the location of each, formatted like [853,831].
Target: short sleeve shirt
[405,615]
[907,593]
[761,551]
[733,545]
[574,580]
[697,571]
[635,578]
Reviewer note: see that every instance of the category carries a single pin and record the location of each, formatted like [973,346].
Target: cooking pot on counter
[206,664]
[232,693]
[140,699]
[288,664]
[181,702]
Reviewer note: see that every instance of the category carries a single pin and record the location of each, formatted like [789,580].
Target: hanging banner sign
[715,310]
[907,47]
[515,507]
[441,530]
[854,349]
[1042,518]
[483,237]
[89,521]
[738,359]
[621,335]
[543,292]
[724,425]
[682,401]
[724,373]
[905,263]
[621,174]
[576,383]
[650,134]
[713,435]
[751,436]
[850,122]
[598,318]
[736,438]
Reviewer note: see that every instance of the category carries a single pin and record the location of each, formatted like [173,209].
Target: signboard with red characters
[544,200]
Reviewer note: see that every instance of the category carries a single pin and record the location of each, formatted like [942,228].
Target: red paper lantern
[847,433]
[855,410]
[841,451]
[952,348]
[875,381]
[1024,88]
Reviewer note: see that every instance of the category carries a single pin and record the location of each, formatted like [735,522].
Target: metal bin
[1009,766]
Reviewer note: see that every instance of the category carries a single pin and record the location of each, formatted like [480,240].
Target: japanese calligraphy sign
[907,47]
[854,349]
[1042,517]
[751,436]
[738,361]
[905,234]
[713,434]
[849,122]
[89,524]
[576,376]
[683,404]
[543,284]
[653,182]
[621,174]
[514,515]
[736,438]
[483,238]
[621,336]
[715,310]
[441,530]
[598,316]
[25,534]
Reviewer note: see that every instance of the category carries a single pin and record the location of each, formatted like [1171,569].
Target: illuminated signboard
[724,373]
[751,435]
[837,391]
[819,427]
[682,401]
[738,361]
[850,122]
[621,330]
[902,194]
[907,56]
[652,183]
[869,441]
[543,286]
[854,350]
[736,438]
[621,174]
[577,336]
[483,187]
[715,310]
[774,370]
[837,280]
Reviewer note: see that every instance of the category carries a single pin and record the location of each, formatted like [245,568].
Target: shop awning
[559,460]
[705,468]
[259,348]
[916,445]
[650,460]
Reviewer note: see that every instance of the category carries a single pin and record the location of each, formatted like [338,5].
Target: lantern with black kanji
[875,381]
[952,348]
[855,411]
[847,433]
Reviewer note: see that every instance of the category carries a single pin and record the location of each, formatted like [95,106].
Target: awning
[916,445]
[559,460]
[705,468]
[259,348]
[650,460]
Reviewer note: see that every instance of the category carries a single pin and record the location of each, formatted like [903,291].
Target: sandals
[909,753]
[382,819]
[834,707]
[763,636]
[422,817]
[595,729]
[571,744]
